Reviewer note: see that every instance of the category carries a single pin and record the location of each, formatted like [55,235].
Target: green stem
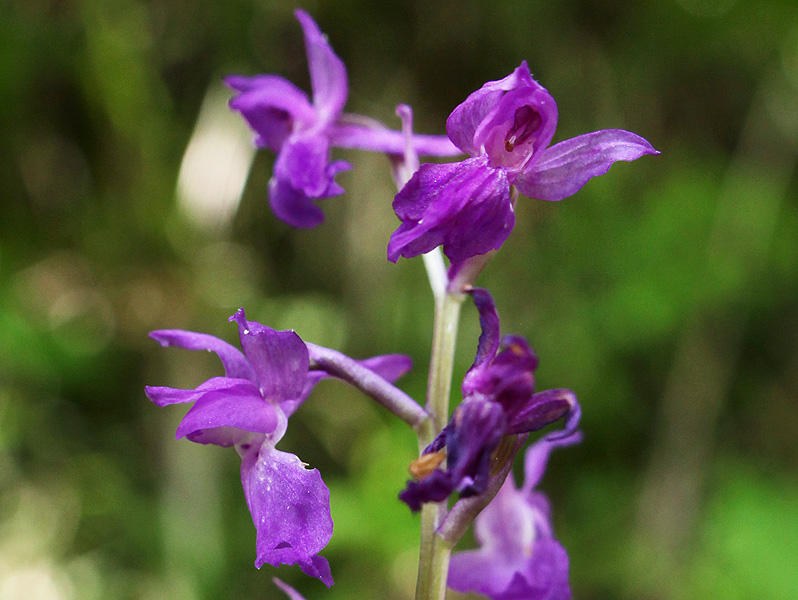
[434,552]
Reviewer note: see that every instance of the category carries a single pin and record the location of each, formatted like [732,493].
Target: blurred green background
[664,293]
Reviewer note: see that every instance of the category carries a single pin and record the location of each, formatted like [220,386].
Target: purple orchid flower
[301,133]
[506,127]
[498,399]
[249,408]
[518,558]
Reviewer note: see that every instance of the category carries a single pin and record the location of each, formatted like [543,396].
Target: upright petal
[462,124]
[564,168]
[235,365]
[279,358]
[290,508]
[488,344]
[327,71]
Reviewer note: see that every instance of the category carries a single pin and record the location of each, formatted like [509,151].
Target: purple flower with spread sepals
[498,399]
[506,127]
[518,557]
[302,132]
[249,408]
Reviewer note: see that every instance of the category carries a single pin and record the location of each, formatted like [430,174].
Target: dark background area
[664,294]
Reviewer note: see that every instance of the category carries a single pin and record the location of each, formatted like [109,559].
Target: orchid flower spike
[505,127]
[249,409]
[302,132]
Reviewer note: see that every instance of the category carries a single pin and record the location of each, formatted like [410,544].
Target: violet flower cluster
[467,209]
[499,399]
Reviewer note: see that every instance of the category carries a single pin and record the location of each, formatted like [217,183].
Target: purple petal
[318,567]
[331,170]
[519,128]
[289,406]
[545,576]
[389,366]
[289,591]
[462,124]
[290,507]
[515,351]
[507,526]
[517,559]
[302,163]
[279,358]
[470,437]
[382,139]
[239,406]
[327,71]
[164,396]
[505,530]
[489,323]
[508,379]
[465,207]
[537,457]
[565,167]
[479,571]
[274,107]
[293,206]
[478,427]
[436,487]
[234,362]
[541,409]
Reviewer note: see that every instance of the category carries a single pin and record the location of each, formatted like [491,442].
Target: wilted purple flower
[498,399]
[518,558]
[249,408]
[505,126]
[301,132]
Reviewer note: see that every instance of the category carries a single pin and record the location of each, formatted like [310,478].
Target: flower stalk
[435,552]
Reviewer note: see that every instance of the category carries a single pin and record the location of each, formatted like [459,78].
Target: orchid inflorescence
[465,209]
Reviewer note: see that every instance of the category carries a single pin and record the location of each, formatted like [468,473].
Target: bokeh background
[665,293]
